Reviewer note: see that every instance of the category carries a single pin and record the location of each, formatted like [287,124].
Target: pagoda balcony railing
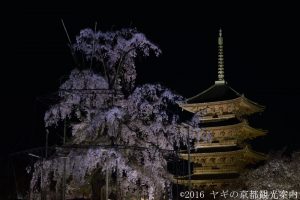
[224,143]
[213,118]
[205,183]
[225,169]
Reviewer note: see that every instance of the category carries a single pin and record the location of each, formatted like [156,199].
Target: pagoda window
[203,111]
[230,108]
[220,111]
[213,160]
[198,165]
[208,110]
[217,109]
[222,133]
[203,161]
[228,160]
[222,160]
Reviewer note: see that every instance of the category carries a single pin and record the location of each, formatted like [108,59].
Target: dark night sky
[261,59]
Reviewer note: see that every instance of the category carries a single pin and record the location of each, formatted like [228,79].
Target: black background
[261,44]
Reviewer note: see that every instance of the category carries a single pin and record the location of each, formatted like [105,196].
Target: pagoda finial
[221,79]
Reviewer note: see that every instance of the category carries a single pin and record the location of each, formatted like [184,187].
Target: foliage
[127,136]
[279,176]
[116,52]
[279,173]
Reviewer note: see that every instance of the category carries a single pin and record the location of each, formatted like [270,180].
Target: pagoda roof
[242,125]
[243,106]
[217,92]
[240,130]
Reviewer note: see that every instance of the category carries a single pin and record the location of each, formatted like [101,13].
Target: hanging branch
[70,44]
[93,51]
[121,63]
[104,68]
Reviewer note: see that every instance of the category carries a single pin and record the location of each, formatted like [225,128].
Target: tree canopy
[128,136]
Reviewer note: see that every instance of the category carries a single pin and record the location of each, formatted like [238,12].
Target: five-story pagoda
[222,114]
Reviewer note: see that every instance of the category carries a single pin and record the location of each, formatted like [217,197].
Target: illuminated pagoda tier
[222,114]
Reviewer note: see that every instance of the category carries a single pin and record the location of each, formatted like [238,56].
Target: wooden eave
[245,104]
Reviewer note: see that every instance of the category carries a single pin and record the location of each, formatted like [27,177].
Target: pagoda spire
[221,79]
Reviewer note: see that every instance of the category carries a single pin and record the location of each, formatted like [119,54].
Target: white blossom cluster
[279,174]
[128,136]
[116,52]
[142,122]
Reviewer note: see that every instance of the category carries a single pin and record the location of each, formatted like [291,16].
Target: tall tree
[128,136]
